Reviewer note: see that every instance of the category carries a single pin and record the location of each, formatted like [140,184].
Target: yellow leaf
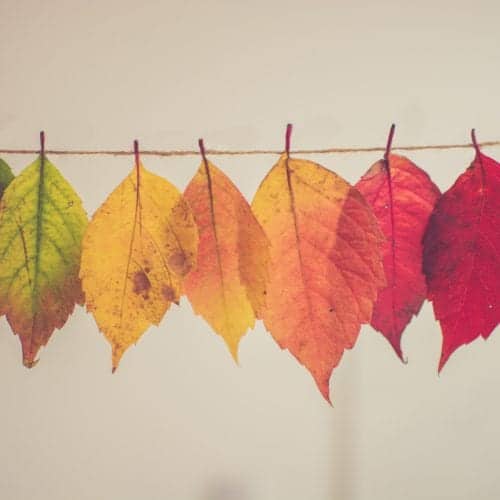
[137,249]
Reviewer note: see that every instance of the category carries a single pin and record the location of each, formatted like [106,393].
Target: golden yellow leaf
[138,247]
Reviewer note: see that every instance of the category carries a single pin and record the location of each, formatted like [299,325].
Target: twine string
[243,152]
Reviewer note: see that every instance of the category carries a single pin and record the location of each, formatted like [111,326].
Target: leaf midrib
[288,172]
[216,238]
[38,234]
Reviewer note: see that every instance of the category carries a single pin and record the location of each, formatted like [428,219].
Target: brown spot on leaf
[141,282]
[179,263]
[169,293]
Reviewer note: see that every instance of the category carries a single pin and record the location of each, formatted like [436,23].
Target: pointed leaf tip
[30,363]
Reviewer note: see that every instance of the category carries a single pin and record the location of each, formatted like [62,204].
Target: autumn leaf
[6,176]
[462,256]
[227,287]
[325,260]
[402,197]
[41,226]
[137,249]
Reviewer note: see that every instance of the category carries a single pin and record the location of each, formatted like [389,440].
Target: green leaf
[42,222]
[6,176]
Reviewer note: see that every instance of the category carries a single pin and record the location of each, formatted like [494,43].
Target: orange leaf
[325,260]
[227,287]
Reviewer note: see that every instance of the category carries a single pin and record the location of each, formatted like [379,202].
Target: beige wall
[179,420]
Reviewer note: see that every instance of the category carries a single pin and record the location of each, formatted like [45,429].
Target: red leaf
[462,256]
[402,198]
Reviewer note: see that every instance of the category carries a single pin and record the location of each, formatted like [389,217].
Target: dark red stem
[136,153]
[389,144]
[202,150]
[42,143]
[474,141]
[137,170]
[288,135]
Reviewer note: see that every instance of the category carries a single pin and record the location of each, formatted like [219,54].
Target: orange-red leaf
[227,287]
[402,198]
[325,260]
[462,256]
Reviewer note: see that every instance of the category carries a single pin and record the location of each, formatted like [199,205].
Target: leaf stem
[136,153]
[389,144]
[201,145]
[288,135]
[137,162]
[479,158]
[474,141]
[42,143]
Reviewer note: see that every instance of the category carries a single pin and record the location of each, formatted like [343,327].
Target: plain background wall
[179,420]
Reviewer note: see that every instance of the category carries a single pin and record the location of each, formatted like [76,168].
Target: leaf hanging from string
[402,197]
[41,226]
[139,246]
[462,256]
[325,260]
[227,287]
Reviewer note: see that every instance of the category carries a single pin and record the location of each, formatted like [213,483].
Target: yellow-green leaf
[6,176]
[42,222]
[137,249]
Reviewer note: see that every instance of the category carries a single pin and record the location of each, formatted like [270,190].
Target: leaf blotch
[141,282]
[168,293]
[179,263]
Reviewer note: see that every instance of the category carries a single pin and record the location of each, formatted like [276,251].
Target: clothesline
[227,152]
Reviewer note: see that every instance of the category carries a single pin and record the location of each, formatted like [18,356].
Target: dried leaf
[402,199]
[462,256]
[41,227]
[325,260]
[138,247]
[227,287]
